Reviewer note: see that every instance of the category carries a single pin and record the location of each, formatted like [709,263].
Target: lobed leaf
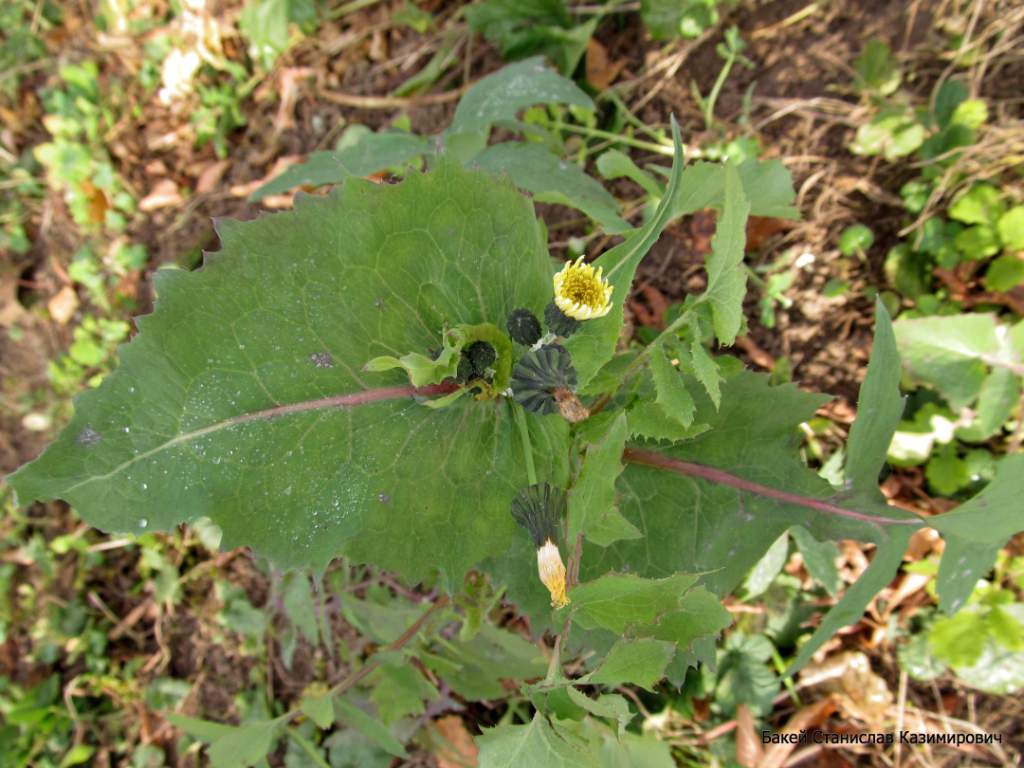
[727,278]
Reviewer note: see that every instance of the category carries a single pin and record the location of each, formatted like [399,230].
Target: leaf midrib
[350,400]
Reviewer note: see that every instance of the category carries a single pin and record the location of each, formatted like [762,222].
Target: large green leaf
[242,398]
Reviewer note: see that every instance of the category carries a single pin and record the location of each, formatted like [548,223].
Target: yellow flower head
[551,570]
[580,291]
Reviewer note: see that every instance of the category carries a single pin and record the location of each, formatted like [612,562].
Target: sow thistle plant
[399,375]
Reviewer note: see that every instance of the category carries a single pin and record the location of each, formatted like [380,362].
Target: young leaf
[610,706]
[637,662]
[372,729]
[649,420]
[672,394]
[705,368]
[242,397]
[614,164]
[552,180]
[299,605]
[767,185]
[245,745]
[204,730]
[319,709]
[700,615]
[400,689]
[727,280]
[879,408]
[594,344]
[592,500]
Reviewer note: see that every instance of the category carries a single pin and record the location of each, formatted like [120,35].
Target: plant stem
[709,104]
[524,433]
[597,133]
[350,7]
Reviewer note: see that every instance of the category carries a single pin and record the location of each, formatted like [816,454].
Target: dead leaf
[288,91]
[757,355]
[760,228]
[455,748]
[809,717]
[280,166]
[749,752]
[702,229]
[858,691]
[97,202]
[62,305]
[164,194]
[601,71]
[211,176]
[156,168]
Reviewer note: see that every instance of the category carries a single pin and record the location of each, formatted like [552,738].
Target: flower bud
[524,327]
[558,322]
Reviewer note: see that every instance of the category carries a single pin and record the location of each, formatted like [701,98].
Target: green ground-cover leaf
[953,353]
[976,530]
[500,96]
[552,180]
[242,397]
[744,676]
[373,152]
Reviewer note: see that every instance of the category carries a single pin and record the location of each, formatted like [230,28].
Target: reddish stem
[680,467]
